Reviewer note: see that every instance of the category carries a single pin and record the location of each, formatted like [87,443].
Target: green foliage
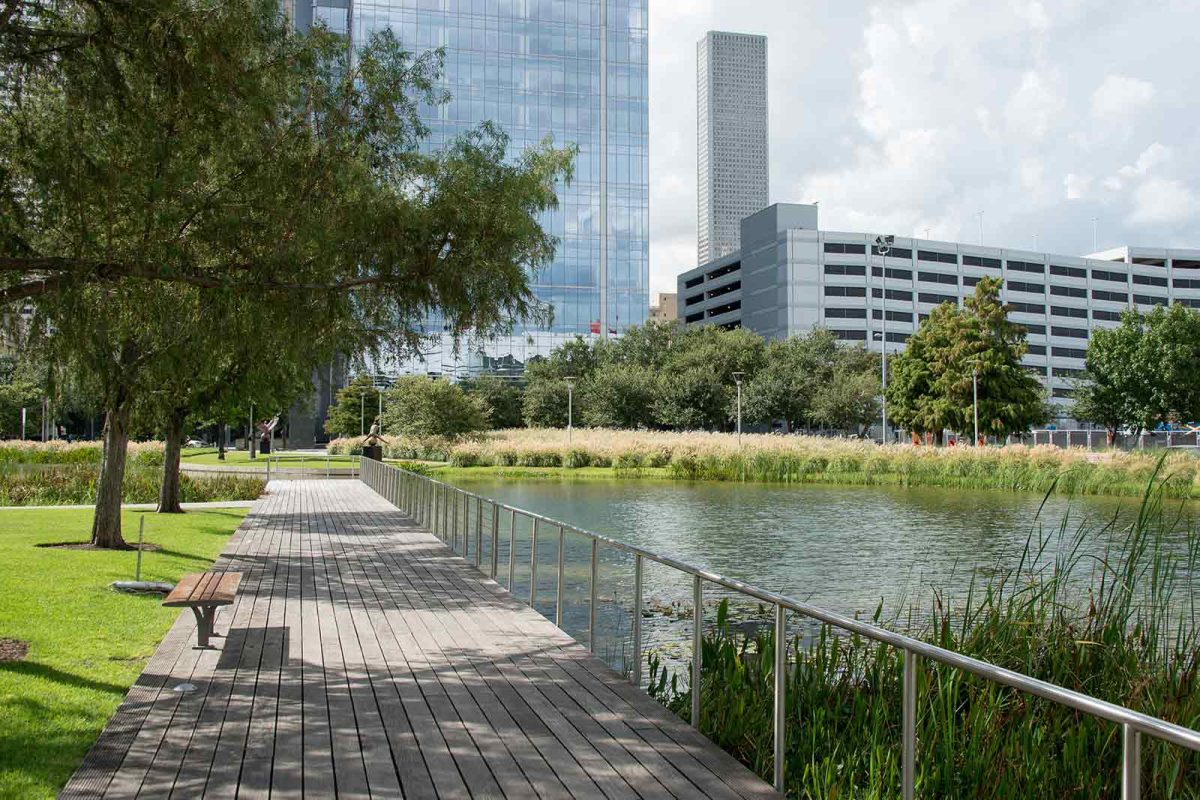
[618,396]
[502,398]
[1144,371]
[20,391]
[88,644]
[419,407]
[546,399]
[1131,640]
[692,398]
[848,400]
[75,484]
[354,409]
[931,384]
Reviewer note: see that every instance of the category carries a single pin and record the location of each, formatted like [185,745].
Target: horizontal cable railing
[446,511]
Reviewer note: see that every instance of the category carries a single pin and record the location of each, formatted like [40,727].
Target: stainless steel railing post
[558,599]
[495,539]
[592,589]
[780,693]
[512,551]
[697,646]
[637,620]
[909,726]
[533,564]
[1131,763]
[478,530]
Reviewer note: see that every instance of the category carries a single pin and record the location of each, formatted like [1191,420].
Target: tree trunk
[106,526]
[222,435]
[250,442]
[168,493]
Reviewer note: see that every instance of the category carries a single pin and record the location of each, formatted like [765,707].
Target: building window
[849,336]
[1064,393]
[1150,280]
[1068,352]
[1036,349]
[697,317]
[845,291]
[725,309]
[718,272]
[1188,303]
[980,261]
[845,313]
[1186,283]
[1039,330]
[893,316]
[1027,308]
[895,252]
[1026,266]
[892,272]
[1068,272]
[1108,316]
[937,299]
[696,298]
[1112,297]
[845,269]
[899,338]
[1149,300]
[726,289]
[1029,288]
[1105,275]
[941,258]
[892,294]
[840,247]
[969,280]
[1068,333]
[1068,291]
[1067,311]
[938,277]
[1066,372]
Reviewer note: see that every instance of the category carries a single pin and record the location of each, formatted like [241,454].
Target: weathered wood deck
[363,659]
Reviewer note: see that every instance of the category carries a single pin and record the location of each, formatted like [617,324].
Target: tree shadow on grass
[33,669]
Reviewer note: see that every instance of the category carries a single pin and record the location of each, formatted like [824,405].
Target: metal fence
[302,466]
[447,511]
[1098,440]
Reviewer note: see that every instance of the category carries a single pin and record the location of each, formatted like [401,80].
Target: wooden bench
[203,593]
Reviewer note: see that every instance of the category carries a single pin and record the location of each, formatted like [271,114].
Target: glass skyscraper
[574,70]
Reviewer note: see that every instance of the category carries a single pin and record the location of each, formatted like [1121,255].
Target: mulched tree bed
[13,650]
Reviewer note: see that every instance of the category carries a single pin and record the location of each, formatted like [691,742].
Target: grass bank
[87,644]
[240,458]
[804,459]
[1132,639]
[75,484]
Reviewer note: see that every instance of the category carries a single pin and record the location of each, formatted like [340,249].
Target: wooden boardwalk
[364,659]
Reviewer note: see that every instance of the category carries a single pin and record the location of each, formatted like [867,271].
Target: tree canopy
[931,384]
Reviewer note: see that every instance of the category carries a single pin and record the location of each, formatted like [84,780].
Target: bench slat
[205,589]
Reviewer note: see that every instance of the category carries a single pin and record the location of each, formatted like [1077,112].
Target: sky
[907,116]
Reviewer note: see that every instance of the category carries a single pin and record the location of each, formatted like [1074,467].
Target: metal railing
[436,505]
[309,465]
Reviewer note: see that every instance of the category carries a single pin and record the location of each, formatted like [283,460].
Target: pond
[847,549]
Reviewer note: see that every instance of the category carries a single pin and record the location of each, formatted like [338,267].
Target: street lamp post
[737,377]
[883,245]
[975,400]
[570,379]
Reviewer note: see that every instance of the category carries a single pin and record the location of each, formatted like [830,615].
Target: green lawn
[87,643]
[240,458]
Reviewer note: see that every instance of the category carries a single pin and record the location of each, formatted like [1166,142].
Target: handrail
[433,503]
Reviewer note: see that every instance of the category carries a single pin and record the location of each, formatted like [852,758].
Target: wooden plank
[364,659]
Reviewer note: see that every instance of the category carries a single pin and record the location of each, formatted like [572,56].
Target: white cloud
[1120,96]
[901,115]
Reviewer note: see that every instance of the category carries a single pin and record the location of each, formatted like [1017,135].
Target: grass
[1132,639]
[87,643]
[144,454]
[75,484]
[803,459]
[240,458]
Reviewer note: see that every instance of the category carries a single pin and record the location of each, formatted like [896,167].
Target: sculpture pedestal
[373,452]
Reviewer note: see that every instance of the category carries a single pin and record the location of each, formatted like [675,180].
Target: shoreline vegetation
[1128,635]
[766,458]
[61,473]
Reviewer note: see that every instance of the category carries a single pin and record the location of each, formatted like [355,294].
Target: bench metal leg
[205,617]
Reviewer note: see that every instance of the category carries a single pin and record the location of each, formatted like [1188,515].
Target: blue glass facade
[573,70]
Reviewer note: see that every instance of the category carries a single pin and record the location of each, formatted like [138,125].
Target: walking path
[363,659]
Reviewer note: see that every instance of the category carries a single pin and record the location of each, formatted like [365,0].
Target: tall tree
[200,144]
[933,381]
[354,407]
[792,371]
[1116,389]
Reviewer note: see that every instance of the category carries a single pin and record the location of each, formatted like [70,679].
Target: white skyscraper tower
[733,158]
